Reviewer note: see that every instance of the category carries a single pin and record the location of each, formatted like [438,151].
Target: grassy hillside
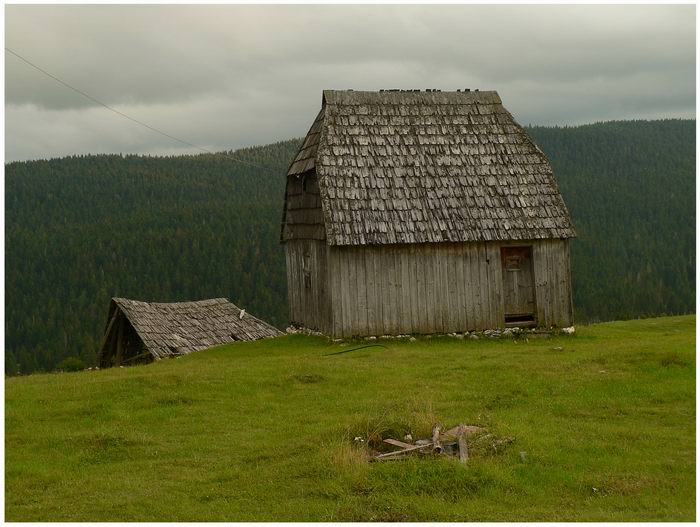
[264,431]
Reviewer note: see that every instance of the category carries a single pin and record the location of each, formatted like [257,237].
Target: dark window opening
[512,263]
[515,319]
[303,183]
[307,280]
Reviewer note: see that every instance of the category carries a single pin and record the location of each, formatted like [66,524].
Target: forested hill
[80,230]
[630,188]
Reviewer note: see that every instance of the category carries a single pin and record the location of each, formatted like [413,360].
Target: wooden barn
[423,212]
[144,331]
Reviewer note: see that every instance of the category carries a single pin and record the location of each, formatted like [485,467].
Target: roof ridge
[410,97]
[219,299]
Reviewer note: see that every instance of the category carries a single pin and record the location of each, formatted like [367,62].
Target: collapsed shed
[145,331]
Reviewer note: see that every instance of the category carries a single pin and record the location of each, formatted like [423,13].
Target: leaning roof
[169,329]
[417,167]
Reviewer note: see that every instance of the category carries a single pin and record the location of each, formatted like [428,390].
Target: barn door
[518,286]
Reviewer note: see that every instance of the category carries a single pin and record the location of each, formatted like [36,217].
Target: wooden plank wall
[303,216]
[433,288]
[552,268]
[308,307]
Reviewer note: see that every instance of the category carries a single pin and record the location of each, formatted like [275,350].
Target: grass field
[264,431]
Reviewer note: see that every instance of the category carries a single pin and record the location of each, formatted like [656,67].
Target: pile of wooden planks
[451,442]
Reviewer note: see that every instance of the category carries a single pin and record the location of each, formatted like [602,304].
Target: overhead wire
[133,119]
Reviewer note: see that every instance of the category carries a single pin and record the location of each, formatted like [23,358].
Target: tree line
[82,229]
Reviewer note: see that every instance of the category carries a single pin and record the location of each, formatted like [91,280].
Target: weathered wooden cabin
[143,331]
[423,212]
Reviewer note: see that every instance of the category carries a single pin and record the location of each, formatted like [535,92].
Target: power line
[141,123]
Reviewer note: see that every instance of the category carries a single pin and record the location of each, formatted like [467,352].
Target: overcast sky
[231,76]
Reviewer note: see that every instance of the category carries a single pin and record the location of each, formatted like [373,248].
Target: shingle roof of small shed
[416,167]
[177,328]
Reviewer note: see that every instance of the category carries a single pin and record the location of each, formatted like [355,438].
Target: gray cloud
[232,76]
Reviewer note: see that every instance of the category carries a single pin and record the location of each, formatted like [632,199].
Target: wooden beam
[139,356]
[463,451]
[100,350]
[398,443]
[466,429]
[120,340]
[401,453]
[437,447]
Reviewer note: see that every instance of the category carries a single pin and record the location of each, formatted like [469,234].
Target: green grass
[264,431]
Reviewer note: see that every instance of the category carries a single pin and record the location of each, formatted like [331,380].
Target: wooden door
[518,285]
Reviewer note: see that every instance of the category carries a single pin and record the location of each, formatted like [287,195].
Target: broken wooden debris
[437,447]
[452,443]
[399,453]
[398,443]
[467,429]
[462,442]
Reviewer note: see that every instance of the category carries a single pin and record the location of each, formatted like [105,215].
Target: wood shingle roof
[418,167]
[169,329]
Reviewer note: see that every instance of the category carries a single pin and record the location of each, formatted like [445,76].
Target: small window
[307,280]
[512,262]
[303,183]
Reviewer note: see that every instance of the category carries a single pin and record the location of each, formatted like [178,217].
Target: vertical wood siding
[552,269]
[419,288]
[308,306]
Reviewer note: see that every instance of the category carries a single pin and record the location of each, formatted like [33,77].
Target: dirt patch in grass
[174,400]
[104,441]
[106,446]
[625,484]
[673,359]
[307,378]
